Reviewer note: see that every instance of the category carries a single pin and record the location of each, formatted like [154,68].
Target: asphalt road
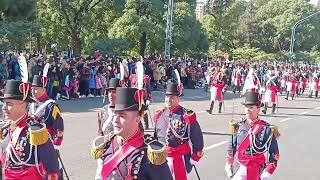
[298,121]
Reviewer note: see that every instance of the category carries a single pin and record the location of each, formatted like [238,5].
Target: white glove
[148,102]
[193,162]
[228,169]
[278,93]
[265,176]
[56,147]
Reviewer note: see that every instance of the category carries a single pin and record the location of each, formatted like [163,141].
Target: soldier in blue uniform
[251,139]
[107,115]
[27,151]
[178,128]
[48,112]
[126,152]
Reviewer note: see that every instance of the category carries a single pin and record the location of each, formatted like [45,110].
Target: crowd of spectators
[87,76]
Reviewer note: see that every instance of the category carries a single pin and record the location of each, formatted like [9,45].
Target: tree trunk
[38,42]
[143,43]
[76,43]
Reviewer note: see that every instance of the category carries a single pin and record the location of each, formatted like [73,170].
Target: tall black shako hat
[41,81]
[174,87]
[19,90]
[252,98]
[113,84]
[129,99]
[14,89]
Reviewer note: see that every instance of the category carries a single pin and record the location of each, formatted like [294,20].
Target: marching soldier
[126,152]
[27,150]
[107,115]
[315,84]
[272,88]
[252,82]
[48,111]
[291,86]
[218,85]
[237,76]
[251,138]
[179,129]
[303,82]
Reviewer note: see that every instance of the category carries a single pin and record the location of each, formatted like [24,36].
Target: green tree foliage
[188,35]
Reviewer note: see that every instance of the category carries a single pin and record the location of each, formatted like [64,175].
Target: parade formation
[125,148]
[159,90]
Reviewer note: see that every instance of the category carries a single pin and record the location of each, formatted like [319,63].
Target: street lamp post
[169,30]
[294,27]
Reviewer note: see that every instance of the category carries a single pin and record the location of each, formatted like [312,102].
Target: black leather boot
[273,108]
[211,107]
[265,108]
[220,107]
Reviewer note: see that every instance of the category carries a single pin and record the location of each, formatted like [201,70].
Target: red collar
[21,122]
[43,97]
[135,136]
[174,109]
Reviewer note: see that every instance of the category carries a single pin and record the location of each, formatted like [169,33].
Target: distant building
[200,9]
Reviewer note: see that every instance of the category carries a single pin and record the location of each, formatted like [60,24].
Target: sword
[64,169]
[149,114]
[195,169]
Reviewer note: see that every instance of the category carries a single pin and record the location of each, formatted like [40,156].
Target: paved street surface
[298,121]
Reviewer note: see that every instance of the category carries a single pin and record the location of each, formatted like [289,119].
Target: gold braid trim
[99,145]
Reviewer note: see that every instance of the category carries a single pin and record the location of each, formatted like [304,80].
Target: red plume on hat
[24,86]
[44,78]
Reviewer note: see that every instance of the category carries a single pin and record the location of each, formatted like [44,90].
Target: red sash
[176,154]
[122,153]
[253,162]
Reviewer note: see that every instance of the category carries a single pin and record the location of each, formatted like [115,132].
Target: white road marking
[317,108]
[233,106]
[201,112]
[215,145]
[286,119]
[303,113]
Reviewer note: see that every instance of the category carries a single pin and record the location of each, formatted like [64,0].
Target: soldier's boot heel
[274,108]
[220,107]
[287,96]
[211,107]
[265,108]
[316,94]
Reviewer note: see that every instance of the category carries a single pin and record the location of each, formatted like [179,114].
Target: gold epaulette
[157,153]
[275,131]
[3,125]
[38,134]
[99,144]
[233,126]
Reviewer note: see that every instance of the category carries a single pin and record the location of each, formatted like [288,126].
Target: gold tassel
[39,136]
[275,131]
[157,156]
[233,127]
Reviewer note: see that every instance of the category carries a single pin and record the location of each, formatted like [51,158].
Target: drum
[38,134]
[157,153]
